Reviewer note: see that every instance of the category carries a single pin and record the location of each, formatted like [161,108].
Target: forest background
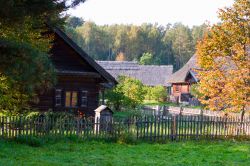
[149,44]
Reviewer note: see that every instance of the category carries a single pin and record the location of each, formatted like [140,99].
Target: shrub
[127,94]
[157,93]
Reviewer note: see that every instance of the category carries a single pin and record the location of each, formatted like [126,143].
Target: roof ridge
[84,55]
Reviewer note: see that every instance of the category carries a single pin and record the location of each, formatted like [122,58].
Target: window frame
[58,97]
[84,98]
[71,92]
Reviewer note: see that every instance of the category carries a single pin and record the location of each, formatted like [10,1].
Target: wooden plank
[184,127]
[201,126]
[197,127]
[147,131]
[2,126]
[191,127]
[158,127]
[169,126]
[219,127]
[213,127]
[162,127]
[173,128]
[138,124]
[151,128]
[26,128]
[181,127]
[155,128]
[142,131]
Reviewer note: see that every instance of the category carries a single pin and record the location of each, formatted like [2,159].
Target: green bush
[157,93]
[127,94]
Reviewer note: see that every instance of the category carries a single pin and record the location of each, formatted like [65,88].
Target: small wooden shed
[104,113]
[103,118]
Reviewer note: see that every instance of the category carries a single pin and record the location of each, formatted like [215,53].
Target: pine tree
[24,48]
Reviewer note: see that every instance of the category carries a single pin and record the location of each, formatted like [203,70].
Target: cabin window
[71,98]
[58,97]
[84,98]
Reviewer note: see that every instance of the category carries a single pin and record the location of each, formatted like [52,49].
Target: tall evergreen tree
[24,47]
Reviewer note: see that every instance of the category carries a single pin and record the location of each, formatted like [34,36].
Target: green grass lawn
[101,153]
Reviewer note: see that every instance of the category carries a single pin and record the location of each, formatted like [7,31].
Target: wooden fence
[174,110]
[151,128]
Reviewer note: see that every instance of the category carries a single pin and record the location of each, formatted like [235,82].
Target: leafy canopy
[25,66]
[170,44]
[224,58]
[146,59]
[130,93]
[156,93]
[127,94]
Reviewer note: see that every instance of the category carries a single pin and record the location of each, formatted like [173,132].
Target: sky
[189,12]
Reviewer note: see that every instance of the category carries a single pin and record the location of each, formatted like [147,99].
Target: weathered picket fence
[151,128]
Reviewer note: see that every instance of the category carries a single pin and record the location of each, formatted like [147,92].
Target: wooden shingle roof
[150,75]
[103,73]
[180,75]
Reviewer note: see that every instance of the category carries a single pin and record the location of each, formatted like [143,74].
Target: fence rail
[151,128]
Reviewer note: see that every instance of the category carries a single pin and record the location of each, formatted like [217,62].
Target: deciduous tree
[146,59]
[224,59]
[128,93]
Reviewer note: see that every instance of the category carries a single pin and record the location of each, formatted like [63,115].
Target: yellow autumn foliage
[224,60]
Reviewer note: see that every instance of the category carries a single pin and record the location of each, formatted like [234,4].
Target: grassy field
[101,153]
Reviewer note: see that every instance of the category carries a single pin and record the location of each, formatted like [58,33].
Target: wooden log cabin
[182,80]
[79,79]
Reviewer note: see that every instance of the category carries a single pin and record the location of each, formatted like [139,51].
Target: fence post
[197,119]
[241,121]
[201,122]
[78,126]
[138,125]
[173,128]
[2,126]
[181,111]
[20,125]
[225,128]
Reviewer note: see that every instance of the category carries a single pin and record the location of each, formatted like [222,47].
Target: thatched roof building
[150,75]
